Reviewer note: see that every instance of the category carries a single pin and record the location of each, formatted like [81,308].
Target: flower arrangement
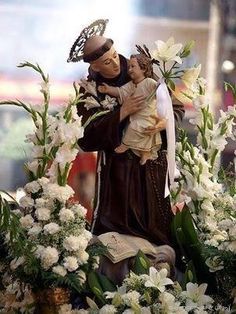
[210,194]
[45,235]
[153,293]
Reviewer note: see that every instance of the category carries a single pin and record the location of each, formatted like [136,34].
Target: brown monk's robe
[129,197]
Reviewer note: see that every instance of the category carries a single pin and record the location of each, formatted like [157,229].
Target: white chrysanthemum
[61,193]
[82,257]
[108,309]
[70,263]
[16,262]
[49,257]
[32,187]
[66,215]
[26,201]
[79,210]
[51,228]
[59,270]
[43,214]
[27,221]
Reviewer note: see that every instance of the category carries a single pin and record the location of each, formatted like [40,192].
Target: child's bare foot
[144,157]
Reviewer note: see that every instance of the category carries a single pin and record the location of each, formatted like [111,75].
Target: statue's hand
[131,105]
[104,88]
[158,125]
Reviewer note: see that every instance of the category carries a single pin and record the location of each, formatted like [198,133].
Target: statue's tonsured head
[90,45]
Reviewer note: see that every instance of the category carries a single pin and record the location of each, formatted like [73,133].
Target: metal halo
[77,50]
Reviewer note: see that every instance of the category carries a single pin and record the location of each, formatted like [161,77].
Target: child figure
[143,145]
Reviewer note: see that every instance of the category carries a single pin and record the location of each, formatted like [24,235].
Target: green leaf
[141,263]
[171,84]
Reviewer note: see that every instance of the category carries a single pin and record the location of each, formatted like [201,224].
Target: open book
[121,246]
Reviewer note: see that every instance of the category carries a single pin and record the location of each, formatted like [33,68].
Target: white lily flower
[89,86]
[195,295]
[158,279]
[109,102]
[91,102]
[167,51]
[190,76]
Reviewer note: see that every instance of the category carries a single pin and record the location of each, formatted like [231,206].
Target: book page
[121,246]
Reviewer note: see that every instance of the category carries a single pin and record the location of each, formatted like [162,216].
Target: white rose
[70,263]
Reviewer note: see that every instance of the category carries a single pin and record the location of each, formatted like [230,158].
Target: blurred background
[43,31]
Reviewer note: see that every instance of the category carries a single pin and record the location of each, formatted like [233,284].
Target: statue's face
[108,65]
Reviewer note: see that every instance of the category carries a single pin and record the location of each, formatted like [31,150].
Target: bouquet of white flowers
[45,235]
[209,192]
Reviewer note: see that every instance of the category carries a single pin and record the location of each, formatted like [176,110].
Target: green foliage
[141,264]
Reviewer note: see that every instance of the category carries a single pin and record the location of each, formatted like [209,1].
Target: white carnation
[71,243]
[70,263]
[108,309]
[49,256]
[35,230]
[27,221]
[61,193]
[26,201]
[32,187]
[43,214]
[43,181]
[51,228]
[82,257]
[66,215]
[39,250]
[79,210]
[59,270]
